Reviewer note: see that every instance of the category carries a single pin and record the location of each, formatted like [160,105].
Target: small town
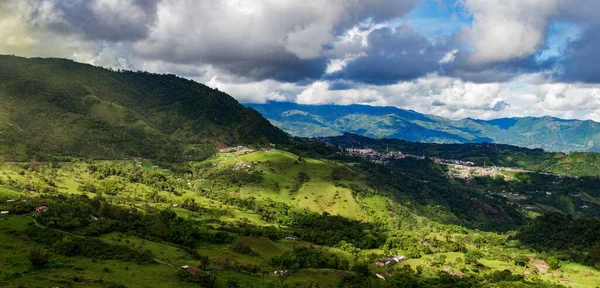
[459,168]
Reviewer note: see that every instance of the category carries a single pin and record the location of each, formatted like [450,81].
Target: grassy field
[280,172]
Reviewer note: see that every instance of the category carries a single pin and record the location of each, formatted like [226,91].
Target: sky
[452,58]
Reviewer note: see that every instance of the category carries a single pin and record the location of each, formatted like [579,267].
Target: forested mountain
[549,133]
[60,107]
[167,210]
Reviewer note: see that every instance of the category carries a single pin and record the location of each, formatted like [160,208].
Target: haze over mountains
[548,133]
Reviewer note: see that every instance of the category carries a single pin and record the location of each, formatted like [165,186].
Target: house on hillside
[386,261]
[10,200]
[193,270]
[41,209]
[2,213]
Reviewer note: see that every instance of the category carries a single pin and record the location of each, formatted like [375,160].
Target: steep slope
[60,107]
[549,133]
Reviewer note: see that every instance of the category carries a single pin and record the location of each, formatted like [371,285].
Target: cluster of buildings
[378,157]
[452,162]
[381,157]
[239,165]
[40,209]
[237,149]
[388,261]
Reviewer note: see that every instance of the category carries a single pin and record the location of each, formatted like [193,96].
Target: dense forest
[57,107]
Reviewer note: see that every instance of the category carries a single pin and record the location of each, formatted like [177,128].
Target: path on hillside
[44,227]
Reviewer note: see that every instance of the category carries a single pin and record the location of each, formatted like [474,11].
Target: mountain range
[548,133]
[302,212]
[61,107]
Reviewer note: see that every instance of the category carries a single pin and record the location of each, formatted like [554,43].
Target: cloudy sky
[452,58]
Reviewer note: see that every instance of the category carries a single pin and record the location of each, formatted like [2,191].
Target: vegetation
[56,108]
[165,209]
[38,257]
[571,239]
[548,133]
[244,215]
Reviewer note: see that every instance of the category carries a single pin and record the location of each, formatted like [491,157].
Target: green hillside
[548,133]
[57,107]
[113,179]
[239,217]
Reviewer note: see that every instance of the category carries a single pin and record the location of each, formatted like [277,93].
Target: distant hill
[60,107]
[548,133]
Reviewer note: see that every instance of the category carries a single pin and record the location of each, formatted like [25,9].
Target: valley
[242,214]
[133,179]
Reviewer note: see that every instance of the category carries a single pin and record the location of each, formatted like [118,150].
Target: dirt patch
[541,265]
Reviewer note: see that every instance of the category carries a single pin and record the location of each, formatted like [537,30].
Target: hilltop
[57,107]
[548,133]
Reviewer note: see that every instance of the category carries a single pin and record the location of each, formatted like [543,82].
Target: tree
[472,256]
[362,270]
[39,257]
[553,263]
[204,261]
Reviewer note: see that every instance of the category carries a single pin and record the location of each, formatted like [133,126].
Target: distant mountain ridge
[548,133]
[58,107]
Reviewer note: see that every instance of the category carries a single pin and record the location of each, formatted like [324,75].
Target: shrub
[39,257]
[243,249]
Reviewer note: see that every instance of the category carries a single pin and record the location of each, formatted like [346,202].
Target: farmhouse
[41,209]
[10,200]
[386,261]
[193,270]
[3,213]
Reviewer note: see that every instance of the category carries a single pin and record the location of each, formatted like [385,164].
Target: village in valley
[457,168]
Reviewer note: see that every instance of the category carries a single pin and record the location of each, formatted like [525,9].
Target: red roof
[41,209]
[193,270]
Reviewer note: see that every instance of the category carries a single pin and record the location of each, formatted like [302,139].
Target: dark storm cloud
[392,56]
[284,41]
[376,10]
[581,60]
[293,42]
[124,20]
[496,71]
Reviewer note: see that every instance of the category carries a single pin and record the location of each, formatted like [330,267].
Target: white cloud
[227,43]
[449,57]
[507,29]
